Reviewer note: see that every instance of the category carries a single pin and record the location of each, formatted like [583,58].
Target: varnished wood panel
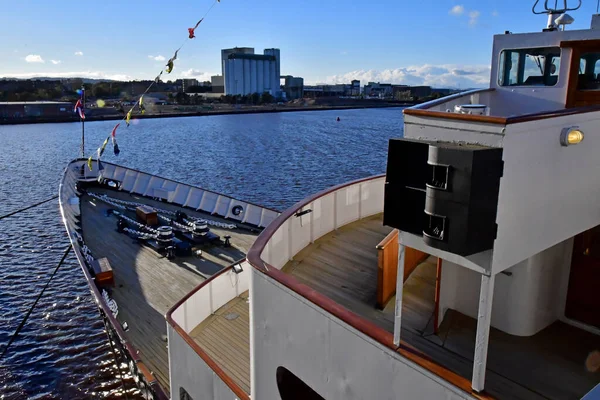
[387,272]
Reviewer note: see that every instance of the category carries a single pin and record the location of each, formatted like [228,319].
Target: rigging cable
[114,354]
[14,336]
[28,207]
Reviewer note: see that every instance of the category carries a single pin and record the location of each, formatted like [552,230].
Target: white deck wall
[188,371]
[186,368]
[328,355]
[525,302]
[548,192]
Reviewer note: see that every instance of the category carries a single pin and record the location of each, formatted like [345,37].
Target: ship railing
[145,380]
[191,368]
[311,219]
[317,216]
[136,182]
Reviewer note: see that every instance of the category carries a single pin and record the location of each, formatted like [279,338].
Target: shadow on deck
[147,284]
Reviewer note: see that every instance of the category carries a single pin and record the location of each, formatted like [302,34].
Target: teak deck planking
[225,337]
[343,266]
[146,283]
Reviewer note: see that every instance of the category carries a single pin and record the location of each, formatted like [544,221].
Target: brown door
[583,296]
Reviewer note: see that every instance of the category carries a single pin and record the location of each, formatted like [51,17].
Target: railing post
[312,220]
[335,210]
[399,291]
[484,316]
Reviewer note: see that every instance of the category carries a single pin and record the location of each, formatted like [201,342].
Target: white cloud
[474,17]
[194,73]
[446,75]
[34,58]
[495,13]
[55,62]
[82,74]
[344,53]
[157,58]
[79,53]
[457,10]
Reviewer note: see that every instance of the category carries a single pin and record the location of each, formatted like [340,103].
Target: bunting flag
[79,108]
[142,108]
[128,117]
[114,131]
[114,140]
[191,30]
[170,62]
[101,149]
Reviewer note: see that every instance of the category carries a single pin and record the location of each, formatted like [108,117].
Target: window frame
[503,74]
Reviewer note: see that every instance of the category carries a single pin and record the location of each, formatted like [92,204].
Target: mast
[82,121]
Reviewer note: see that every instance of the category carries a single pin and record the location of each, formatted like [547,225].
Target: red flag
[191,30]
[79,108]
[114,131]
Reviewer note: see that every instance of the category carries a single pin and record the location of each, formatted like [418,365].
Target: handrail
[175,181]
[364,326]
[133,352]
[442,100]
[212,364]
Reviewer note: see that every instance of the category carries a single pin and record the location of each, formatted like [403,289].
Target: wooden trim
[508,120]
[387,268]
[486,119]
[371,330]
[235,388]
[442,100]
[581,44]
[573,78]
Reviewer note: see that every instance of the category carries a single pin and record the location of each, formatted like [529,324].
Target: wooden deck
[147,284]
[550,365]
[225,337]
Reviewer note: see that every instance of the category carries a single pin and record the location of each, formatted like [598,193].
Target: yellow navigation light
[570,136]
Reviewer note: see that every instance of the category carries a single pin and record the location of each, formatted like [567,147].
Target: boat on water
[143,243]
[468,271]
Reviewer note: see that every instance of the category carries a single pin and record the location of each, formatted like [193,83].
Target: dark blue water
[271,159]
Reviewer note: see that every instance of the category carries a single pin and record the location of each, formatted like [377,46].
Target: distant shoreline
[274,109]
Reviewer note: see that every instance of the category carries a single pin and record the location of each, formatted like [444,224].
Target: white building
[246,73]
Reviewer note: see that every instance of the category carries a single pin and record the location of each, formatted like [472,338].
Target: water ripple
[270,159]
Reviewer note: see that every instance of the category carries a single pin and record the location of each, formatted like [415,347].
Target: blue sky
[324,41]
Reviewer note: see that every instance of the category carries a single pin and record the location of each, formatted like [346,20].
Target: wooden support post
[399,291]
[484,317]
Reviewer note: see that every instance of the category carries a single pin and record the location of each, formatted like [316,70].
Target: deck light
[570,136]
[237,268]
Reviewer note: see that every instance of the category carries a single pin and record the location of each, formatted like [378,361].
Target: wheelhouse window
[529,67]
[589,72]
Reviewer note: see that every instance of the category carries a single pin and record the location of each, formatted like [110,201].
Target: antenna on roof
[555,13]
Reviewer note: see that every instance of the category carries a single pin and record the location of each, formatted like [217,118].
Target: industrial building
[26,109]
[246,73]
[293,87]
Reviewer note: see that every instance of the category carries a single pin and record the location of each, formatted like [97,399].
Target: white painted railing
[321,214]
[190,367]
[144,184]
[446,104]
[210,296]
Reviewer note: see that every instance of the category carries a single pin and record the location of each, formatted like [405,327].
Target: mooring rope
[14,336]
[10,214]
